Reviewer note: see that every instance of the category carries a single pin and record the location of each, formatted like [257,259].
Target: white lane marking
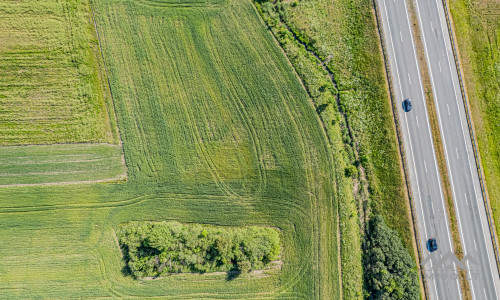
[425,166]
[448,107]
[456,150]
[432,207]
[466,200]
[416,118]
[432,143]
[439,64]
[470,281]
[409,78]
[485,296]
[470,167]
[401,36]
[406,123]
[440,15]
[475,246]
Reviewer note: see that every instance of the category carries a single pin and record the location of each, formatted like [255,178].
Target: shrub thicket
[159,248]
[390,272]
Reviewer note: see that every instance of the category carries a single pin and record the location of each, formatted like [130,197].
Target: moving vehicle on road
[407,105]
[432,245]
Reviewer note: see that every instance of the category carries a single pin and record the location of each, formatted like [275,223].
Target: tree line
[153,249]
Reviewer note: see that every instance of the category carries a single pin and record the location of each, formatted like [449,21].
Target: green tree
[390,272]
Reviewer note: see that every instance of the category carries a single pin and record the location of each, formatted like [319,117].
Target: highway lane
[420,156]
[468,200]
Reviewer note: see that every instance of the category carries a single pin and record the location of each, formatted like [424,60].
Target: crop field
[53,92]
[216,129]
[50,90]
[332,45]
[42,164]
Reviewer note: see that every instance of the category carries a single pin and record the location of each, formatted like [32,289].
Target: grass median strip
[438,148]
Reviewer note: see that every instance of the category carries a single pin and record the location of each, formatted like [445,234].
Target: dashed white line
[448,107]
[446,153]
[469,160]
[456,150]
[432,27]
[401,35]
[409,78]
[439,64]
[432,207]
[475,246]
[416,118]
[485,296]
[425,167]
[466,200]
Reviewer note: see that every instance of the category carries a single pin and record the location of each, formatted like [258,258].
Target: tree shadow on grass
[231,275]
[126,271]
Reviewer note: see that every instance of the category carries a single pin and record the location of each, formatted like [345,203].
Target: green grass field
[51,89]
[477,29]
[47,164]
[216,129]
[345,37]
[334,47]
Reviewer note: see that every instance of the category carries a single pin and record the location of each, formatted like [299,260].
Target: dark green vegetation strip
[51,88]
[153,249]
[333,46]
[216,129]
[390,272]
[477,27]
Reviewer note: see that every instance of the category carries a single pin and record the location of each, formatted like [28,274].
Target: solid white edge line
[467,150]
[409,139]
[428,122]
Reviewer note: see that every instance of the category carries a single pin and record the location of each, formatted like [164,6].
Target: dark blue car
[432,245]
[407,105]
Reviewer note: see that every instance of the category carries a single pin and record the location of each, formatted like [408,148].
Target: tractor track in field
[247,123]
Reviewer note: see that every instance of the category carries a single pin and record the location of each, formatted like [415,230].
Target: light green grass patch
[49,164]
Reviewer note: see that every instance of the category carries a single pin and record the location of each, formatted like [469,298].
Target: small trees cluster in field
[390,272]
[153,249]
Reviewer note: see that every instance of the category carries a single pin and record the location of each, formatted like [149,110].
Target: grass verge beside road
[345,79]
[476,26]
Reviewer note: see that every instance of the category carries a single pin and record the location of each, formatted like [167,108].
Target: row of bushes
[389,271]
[153,249]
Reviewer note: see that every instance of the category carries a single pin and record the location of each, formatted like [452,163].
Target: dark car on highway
[432,245]
[407,105]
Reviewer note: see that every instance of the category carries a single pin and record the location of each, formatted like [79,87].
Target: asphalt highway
[469,204]
[427,195]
